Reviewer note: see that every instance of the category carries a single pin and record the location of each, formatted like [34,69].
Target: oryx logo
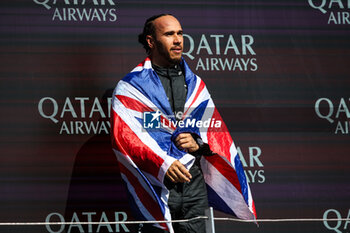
[151,120]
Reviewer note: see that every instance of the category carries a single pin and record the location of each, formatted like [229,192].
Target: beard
[166,54]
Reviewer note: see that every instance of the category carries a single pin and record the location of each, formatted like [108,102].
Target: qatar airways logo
[87,222]
[338,11]
[337,221]
[219,52]
[335,112]
[77,115]
[80,10]
[251,161]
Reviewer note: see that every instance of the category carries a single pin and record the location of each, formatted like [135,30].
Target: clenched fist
[178,173]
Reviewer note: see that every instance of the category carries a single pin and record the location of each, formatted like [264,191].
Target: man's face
[167,46]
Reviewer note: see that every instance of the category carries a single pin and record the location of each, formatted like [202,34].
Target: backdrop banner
[278,72]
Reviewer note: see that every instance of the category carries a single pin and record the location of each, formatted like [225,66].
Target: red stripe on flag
[143,63]
[220,142]
[143,156]
[225,170]
[200,89]
[219,139]
[253,208]
[133,104]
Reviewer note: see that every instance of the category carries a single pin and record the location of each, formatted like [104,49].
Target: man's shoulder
[138,71]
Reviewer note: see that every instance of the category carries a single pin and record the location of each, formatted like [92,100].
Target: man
[165,164]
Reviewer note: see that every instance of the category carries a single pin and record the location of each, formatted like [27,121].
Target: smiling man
[167,169]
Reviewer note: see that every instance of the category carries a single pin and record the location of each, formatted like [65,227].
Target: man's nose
[177,39]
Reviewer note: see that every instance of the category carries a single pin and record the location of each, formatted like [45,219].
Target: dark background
[300,57]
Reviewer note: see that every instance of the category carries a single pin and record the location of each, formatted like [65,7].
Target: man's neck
[163,63]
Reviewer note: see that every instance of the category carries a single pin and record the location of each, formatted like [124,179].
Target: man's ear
[150,41]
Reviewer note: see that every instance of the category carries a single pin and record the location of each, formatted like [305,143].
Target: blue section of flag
[242,178]
[217,203]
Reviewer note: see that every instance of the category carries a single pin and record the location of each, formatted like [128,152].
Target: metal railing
[209,221]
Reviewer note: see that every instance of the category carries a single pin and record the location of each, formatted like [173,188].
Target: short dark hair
[149,29]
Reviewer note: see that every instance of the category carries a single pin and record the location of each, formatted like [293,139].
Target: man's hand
[178,173]
[186,142]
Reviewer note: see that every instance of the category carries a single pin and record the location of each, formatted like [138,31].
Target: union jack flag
[145,154]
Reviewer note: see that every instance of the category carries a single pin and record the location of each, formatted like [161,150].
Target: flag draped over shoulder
[145,150]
